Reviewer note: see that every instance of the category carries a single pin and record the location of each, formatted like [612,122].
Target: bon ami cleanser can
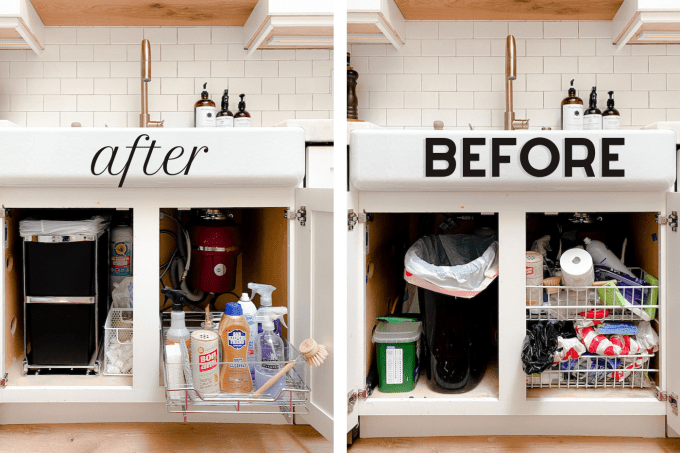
[205,366]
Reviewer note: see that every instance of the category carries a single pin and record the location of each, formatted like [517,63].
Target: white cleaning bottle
[178,331]
[605,257]
[249,312]
[265,292]
[270,355]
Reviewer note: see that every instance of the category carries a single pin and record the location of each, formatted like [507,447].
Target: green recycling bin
[398,350]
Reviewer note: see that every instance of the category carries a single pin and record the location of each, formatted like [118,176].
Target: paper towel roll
[577,268]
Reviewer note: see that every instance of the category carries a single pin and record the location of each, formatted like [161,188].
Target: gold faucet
[511,74]
[144,118]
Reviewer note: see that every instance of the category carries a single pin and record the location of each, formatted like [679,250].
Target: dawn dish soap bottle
[270,351]
[205,110]
[242,117]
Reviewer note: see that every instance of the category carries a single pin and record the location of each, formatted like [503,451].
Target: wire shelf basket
[597,372]
[288,396]
[118,343]
[607,303]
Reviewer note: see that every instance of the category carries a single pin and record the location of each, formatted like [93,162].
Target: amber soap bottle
[205,110]
[572,111]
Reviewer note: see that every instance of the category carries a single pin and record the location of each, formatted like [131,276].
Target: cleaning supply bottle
[205,110]
[178,331]
[242,117]
[270,355]
[249,312]
[265,292]
[611,118]
[592,118]
[225,118]
[572,111]
[605,257]
[234,335]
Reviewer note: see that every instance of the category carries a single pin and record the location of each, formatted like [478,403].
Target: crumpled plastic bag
[541,343]
[94,226]
[455,262]
[122,294]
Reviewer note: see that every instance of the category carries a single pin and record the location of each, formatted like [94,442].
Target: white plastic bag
[122,294]
[91,227]
[455,262]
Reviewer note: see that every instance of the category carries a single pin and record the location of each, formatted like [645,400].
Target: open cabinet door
[312,313]
[671,289]
[356,313]
[3,322]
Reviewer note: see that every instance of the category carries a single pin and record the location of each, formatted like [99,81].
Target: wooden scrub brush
[314,353]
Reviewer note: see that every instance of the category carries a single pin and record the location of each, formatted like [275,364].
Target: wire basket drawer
[118,343]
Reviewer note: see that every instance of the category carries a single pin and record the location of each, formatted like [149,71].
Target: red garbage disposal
[215,246]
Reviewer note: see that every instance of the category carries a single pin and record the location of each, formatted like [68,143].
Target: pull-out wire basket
[289,395]
[606,303]
[597,372]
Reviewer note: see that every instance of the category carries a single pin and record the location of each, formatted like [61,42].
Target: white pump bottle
[249,312]
[270,352]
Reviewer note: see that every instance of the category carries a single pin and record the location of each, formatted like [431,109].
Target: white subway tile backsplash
[419,100]
[561,29]
[369,50]
[77,52]
[429,116]
[26,102]
[457,29]
[227,35]
[404,82]
[312,54]
[456,100]
[125,35]
[544,82]
[473,82]
[296,101]
[60,69]
[261,68]
[211,52]
[93,103]
[631,65]
[313,85]
[498,47]
[110,119]
[420,30]
[546,117]
[77,86]
[664,64]
[13,86]
[279,85]
[489,65]
[322,102]
[87,69]
[477,118]
[595,29]
[386,65]
[313,115]
[194,35]
[656,49]
[49,53]
[578,47]
[438,82]
[372,82]
[93,35]
[13,55]
[117,52]
[529,100]
[227,68]
[177,52]
[111,86]
[173,119]
[421,65]
[134,52]
[438,47]
[595,65]
[605,47]
[375,116]
[161,35]
[411,48]
[542,47]
[489,100]
[490,29]
[657,100]
[386,100]
[42,119]
[526,29]
[646,116]
[297,68]
[43,86]
[26,69]
[616,82]
[559,65]
[322,68]
[584,82]
[651,82]
[529,65]
[245,85]
[177,86]
[404,117]
[61,35]
[193,69]
[453,65]
[473,47]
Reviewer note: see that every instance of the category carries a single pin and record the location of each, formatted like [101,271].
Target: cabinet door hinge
[300,215]
[4,212]
[353,218]
[671,220]
[356,395]
[673,401]
[3,381]
[661,395]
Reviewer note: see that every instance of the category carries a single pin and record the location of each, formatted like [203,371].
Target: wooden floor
[515,444]
[160,438]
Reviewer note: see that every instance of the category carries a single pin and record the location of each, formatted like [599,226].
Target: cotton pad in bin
[397,347]
[460,265]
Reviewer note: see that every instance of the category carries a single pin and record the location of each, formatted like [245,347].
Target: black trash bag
[540,344]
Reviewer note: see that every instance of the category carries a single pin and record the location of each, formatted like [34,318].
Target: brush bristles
[315,353]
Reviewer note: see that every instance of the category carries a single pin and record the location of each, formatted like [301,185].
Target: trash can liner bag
[456,262]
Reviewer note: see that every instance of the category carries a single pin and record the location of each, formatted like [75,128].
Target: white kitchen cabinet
[387,180]
[258,168]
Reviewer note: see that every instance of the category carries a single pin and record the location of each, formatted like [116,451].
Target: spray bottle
[178,330]
[249,312]
[270,351]
[265,292]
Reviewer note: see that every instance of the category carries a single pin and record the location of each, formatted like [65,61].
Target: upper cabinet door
[312,310]
[671,289]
